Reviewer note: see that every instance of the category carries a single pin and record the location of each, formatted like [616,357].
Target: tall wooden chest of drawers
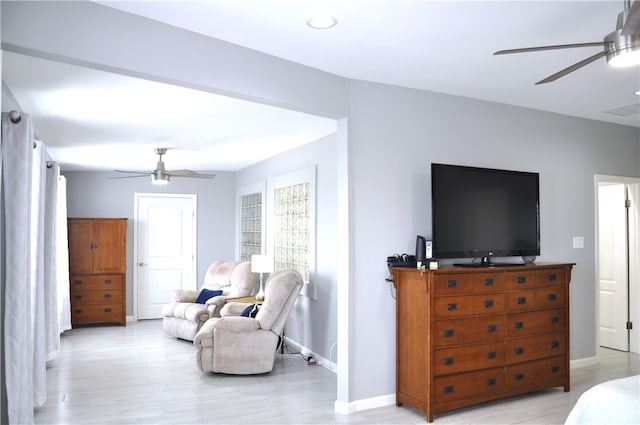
[469,335]
[97,267]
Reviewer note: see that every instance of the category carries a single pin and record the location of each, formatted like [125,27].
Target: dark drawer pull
[77,282]
[552,297]
[449,332]
[492,328]
[448,389]
[491,355]
[491,381]
[522,300]
[448,361]
[488,281]
[107,295]
[452,306]
[77,311]
[555,319]
[452,283]
[488,303]
[77,297]
[519,376]
[552,277]
[555,369]
[107,310]
[519,351]
[519,325]
[107,281]
[522,279]
[555,344]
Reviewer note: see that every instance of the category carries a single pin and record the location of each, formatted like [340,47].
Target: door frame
[194,264]
[633,293]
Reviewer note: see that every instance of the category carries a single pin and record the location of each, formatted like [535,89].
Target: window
[292,228]
[251,220]
[292,224]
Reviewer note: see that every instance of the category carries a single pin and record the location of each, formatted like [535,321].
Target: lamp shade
[261,263]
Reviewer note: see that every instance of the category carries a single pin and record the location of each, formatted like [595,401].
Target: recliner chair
[244,345]
[183,317]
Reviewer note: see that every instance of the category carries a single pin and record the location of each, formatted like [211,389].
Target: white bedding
[612,402]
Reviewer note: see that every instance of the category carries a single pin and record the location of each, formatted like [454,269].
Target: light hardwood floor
[136,374]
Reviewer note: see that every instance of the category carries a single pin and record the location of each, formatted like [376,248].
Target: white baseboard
[347,408]
[131,319]
[306,352]
[587,361]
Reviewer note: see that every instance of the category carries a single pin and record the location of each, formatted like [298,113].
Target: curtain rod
[15,116]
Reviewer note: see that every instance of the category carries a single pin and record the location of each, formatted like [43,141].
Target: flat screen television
[482,213]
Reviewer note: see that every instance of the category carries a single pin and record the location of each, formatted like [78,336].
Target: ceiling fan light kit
[159,179]
[622,50]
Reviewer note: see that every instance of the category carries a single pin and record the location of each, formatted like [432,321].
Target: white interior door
[612,266]
[165,240]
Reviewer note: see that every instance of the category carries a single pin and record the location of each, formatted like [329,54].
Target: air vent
[625,110]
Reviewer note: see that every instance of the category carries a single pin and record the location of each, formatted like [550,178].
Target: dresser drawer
[488,282]
[468,331]
[96,313]
[96,282]
[95,297]
[517,280]
[469,304]
[551,277]
[550,296]
[467,385]
[452,284]
[541,373]
[463,359]
[535,347]
[535,322]
[521,300]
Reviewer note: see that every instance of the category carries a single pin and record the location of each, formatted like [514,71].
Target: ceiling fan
[621,47]
[160,175]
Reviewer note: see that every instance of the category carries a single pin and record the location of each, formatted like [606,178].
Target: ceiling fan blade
[573,67]
[189,173]
[632,24]
[145,172]
[555,47]
[130,177]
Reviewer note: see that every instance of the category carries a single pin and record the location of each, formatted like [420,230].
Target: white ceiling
[441,46]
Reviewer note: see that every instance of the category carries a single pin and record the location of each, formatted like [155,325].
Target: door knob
[141,264]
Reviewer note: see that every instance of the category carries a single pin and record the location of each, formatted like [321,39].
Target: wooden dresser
[97,267]
[469,335]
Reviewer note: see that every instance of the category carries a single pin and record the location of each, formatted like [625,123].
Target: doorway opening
[617,262]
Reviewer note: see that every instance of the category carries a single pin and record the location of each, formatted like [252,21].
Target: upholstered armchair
[247,345]
[183,316]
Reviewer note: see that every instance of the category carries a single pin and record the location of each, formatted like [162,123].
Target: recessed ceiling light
[322,22]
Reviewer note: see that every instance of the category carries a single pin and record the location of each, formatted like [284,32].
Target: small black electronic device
[421,248]
[404,260]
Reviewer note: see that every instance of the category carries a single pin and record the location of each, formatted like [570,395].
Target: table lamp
[261,264]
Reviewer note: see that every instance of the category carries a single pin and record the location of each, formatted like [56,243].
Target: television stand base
[487,264]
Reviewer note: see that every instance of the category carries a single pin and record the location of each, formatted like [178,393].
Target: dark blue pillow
[250,311]
[205,294]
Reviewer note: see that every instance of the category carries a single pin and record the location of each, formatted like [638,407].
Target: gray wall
[313,322]
[393,135]
[91,194]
